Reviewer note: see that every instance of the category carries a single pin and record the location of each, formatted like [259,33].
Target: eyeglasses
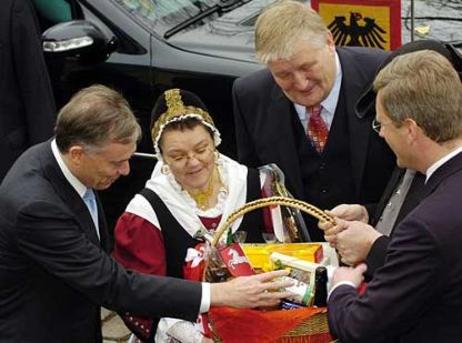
[376,125]
[201,154]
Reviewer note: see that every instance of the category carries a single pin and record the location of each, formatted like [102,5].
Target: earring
[165,169]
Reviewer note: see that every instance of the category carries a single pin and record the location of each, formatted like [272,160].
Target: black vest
[177,240]
[327,177]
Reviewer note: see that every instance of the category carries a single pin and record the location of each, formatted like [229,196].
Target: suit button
[324,191]
[322,166]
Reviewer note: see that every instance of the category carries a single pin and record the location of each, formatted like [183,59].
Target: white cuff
[205,301]
[341,283]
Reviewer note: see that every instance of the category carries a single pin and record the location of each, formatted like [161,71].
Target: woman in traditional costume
[193,189]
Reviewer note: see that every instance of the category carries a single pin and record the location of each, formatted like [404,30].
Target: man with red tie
[299,112]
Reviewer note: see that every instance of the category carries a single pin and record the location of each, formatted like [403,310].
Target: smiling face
[308,76]
[190,155]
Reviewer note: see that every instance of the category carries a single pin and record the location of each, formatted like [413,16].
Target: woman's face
[190,156]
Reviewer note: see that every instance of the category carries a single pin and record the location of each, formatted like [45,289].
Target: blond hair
[282,26]
[425,87]
[95,116]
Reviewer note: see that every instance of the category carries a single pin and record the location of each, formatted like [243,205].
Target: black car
[143,47]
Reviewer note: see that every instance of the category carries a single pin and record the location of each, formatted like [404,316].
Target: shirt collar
[329,104]
[440,162]
[75,183]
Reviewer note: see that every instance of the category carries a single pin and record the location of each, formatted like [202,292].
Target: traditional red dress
[159,228]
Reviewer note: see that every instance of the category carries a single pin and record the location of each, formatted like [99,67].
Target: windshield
[163,15]
[437,19]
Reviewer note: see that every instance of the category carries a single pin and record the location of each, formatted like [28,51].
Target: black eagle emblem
[369,34]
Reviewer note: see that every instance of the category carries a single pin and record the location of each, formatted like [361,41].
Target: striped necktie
[317,129]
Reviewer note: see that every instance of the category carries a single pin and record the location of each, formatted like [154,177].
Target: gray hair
[283,26]
[95,116]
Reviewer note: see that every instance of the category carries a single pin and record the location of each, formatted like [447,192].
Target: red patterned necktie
[317,128]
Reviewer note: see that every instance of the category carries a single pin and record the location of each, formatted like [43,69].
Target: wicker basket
[302,325]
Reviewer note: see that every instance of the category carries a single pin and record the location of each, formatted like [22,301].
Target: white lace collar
[184,208]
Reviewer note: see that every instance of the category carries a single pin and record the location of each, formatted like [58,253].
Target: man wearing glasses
[417,295]
[400,197]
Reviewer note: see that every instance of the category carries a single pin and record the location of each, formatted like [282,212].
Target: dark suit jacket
[376,257]
[265,134]
[55,274]
[417,295]
[27,108]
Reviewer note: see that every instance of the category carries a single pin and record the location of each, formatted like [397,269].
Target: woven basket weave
[313,329]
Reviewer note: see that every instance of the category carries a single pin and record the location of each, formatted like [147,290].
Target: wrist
[218,294]
[373,236]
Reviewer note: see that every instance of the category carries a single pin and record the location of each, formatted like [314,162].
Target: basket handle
[270,201]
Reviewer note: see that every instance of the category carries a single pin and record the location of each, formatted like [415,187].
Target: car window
[163,15]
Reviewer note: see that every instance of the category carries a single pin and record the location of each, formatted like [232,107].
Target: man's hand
[250,291]
[350,212]
[354,243]
[331,231]
[353,275]
[342,212]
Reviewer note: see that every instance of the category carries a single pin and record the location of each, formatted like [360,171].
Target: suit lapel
[103,232]
[413,197]
[278,131]
[359,130]
[442,173]
[70,197]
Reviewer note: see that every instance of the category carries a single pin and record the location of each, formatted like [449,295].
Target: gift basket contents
[259,255]
[300,318]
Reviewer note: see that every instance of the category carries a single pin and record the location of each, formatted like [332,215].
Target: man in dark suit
[417,295]
[27,108]
[299,112]
[54,269]
[401,195]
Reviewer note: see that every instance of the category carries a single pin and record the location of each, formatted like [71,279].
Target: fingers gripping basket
[300,325]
